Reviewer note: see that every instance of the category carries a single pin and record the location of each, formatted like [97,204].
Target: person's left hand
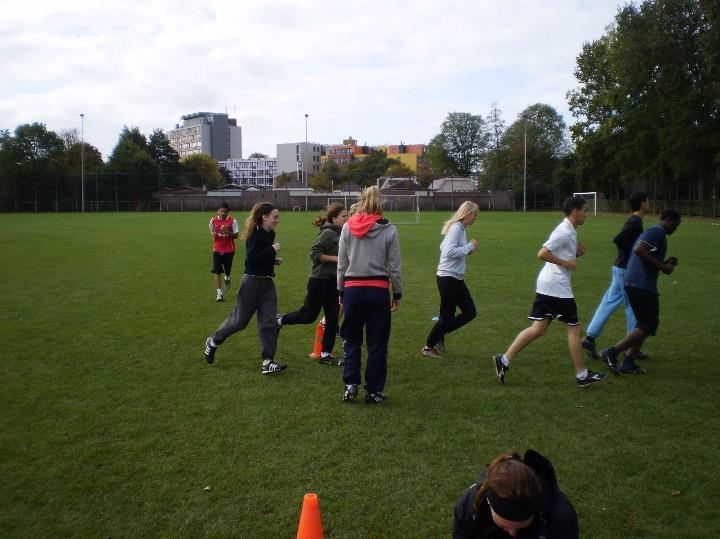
[394,305]
[580,249]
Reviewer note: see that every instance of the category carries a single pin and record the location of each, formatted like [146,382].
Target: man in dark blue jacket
[646,263]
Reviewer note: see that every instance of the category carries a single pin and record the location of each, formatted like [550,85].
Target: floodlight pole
[82,159]
[525,166]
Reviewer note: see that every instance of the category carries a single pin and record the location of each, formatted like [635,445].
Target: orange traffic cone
[317,346]
[310,526]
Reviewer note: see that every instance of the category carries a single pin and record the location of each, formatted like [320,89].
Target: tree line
[44,170]
[646,116]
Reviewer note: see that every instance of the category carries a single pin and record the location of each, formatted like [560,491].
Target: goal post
[591,197]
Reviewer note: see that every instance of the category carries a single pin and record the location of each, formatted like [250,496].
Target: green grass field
[112,425]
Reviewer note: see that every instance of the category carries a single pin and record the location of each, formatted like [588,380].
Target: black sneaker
[209,351]
[610,359]
[330,360]
[271,367]
[500,368]
[227,282]
[589,347]
[591,378]
[628,366]
[351,391]
[375,398]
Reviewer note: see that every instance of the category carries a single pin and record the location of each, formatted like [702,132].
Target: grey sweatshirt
[453,252]
[369,253]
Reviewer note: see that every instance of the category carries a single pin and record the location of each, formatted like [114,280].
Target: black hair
[574,202]
[636,200]
[224,206]
[670,214]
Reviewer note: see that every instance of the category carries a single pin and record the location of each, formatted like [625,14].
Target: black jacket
[260,253]
[625,240]
[555,519]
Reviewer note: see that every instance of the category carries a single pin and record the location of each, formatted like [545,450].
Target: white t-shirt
[554,280]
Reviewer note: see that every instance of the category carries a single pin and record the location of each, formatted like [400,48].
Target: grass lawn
[112,425]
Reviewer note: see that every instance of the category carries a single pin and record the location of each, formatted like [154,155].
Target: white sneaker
[219,296]
[227,282]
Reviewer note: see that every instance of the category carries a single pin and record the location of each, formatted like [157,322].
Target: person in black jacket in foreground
[515,498]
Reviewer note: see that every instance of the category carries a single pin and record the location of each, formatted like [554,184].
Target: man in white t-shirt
[554,299]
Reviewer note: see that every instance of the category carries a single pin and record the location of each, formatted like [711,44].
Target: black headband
[513,510]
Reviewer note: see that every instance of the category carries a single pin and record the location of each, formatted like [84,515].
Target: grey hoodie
[369,251]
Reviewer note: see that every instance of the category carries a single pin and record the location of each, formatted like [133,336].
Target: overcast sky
[380,71]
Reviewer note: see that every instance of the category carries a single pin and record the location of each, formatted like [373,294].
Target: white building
[302,156]
[207,132]
[251,172]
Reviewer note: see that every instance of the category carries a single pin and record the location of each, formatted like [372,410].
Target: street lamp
[82,159]
[525,167]
[306,120]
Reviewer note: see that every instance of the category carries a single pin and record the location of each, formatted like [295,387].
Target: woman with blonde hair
[454,293]
[322,285]
[257,292]
[368,263]
[515,497]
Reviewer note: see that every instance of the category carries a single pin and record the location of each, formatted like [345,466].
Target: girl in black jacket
[257,292]
[515,498]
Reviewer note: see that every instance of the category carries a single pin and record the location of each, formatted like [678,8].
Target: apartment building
[411,155]
[252,172]
[299,156]
[207,132]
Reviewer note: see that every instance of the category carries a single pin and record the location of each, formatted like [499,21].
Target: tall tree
[439,158]
[465,139]
[647,105]
[136,171]
[166,157]
[547,145]
[34,159]
[200,169]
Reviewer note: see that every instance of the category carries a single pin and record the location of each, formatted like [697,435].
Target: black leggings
[454,293]
[321,294]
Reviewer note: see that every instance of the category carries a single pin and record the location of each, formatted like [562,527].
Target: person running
[517,498]
[454,293]
[368,262]
[223,230]
[257,292]
[322,290]
[554,299]
[646,262]
[615,294]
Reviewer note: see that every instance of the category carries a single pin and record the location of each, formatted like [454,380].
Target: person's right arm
[643,250]
[546,255]
[319,249]
[453,246]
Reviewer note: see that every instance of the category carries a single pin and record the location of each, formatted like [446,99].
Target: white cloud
[379,71]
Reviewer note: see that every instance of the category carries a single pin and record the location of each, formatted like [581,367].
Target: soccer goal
[592,200]
[409,204]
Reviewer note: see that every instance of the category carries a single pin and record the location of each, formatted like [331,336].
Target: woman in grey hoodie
[368,263]
[322,285]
